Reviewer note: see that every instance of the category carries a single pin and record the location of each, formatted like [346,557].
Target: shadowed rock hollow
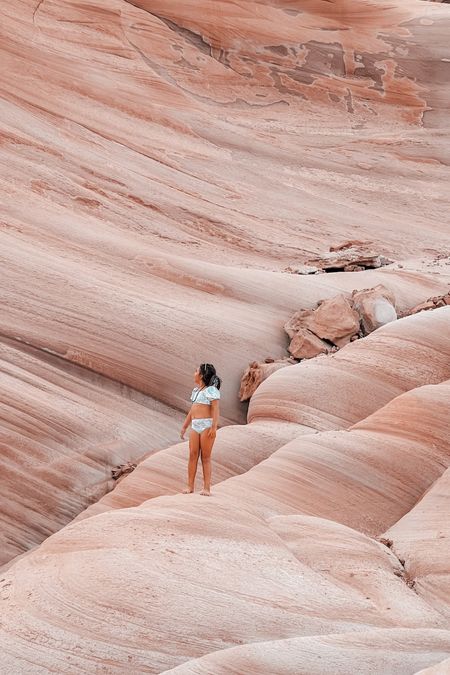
[162,164]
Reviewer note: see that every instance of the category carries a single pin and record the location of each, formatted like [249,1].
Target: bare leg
[206,444]
[194,448]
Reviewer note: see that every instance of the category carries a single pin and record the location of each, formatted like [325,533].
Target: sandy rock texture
[163,164]
[381,652]
[310,514]
[239,448]
[420,539]
[257,373]
[439,669]
[62,430]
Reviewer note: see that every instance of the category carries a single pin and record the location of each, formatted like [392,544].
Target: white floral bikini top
[205,395]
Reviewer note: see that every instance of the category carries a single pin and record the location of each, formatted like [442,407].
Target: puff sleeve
[212,394]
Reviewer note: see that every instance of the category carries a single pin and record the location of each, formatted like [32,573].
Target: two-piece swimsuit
[203,395]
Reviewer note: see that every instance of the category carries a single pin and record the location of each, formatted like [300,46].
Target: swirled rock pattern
[62,430]
[162,165]
[394,359]
[169,552]
[421,538]
[386,651]
[238,448]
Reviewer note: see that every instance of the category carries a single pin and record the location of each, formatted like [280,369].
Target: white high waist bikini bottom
[200,425]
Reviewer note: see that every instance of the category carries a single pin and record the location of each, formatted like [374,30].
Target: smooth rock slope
[164,167]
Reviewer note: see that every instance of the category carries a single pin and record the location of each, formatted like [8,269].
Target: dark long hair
[209,375]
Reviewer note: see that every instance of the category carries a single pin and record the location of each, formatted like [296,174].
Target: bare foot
[205,493]
[187,491]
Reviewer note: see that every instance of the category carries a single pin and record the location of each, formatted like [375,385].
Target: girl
[203,417]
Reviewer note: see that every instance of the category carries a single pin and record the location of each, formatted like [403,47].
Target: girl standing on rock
[203,417]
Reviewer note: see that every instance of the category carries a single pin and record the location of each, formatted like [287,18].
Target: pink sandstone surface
[161,164]
[439,669]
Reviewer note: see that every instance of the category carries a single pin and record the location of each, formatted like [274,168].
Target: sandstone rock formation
[339,320]
[62,431]
[431,303]
[439,669]
[313,332]
[169,539]
[257,373]
[161,164]
[334,320]
[329,655]
[375,306]
[306,345]
[420,539]
[350,256]
[309,386]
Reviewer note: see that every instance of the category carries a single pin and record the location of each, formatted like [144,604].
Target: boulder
[441,300]
[306,345]
[340,259]
[334,320]
[428,304]
[297,322]
[257,372]
[431,303]
[375,306]
[122,470]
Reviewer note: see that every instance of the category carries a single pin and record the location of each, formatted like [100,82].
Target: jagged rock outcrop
[432,303]
[375,306]
[306,345]
[118,472]
[399,356]
[334,320]
[350,256]
[338,321]
[257,373]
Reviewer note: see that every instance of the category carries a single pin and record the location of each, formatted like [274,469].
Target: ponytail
[209,375]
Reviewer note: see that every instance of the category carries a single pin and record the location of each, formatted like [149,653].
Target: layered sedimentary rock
[161,572]
[378,653]
[62,430]
[129,211]
[398,357]
[349,476]
[257,373]
[439,669]
[421,540]
[238,448]
[161,164]
[365,478]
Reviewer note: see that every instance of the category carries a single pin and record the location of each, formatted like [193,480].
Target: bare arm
[186,423]
[215,414]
